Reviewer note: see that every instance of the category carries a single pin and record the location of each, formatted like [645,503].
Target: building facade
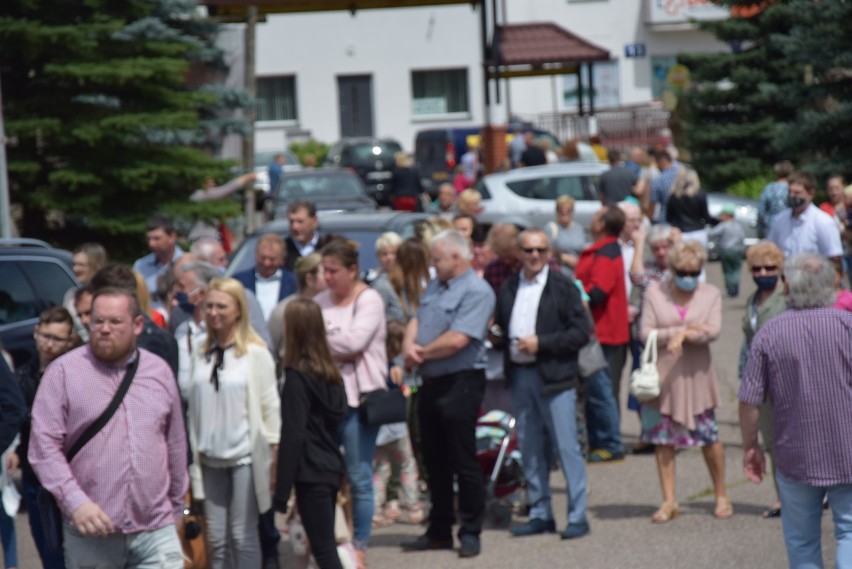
[391,73]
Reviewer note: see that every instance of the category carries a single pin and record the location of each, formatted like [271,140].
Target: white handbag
[645,381]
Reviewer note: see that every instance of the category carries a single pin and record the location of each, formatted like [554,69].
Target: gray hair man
[800,361]
[445,339]
[211,251]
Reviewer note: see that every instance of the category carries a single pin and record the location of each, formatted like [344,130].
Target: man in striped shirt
[801,361]
[123,493]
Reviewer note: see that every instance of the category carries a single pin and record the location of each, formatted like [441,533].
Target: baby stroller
[500,462]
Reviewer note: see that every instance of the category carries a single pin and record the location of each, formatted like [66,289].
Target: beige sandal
[724,508]
[666,513]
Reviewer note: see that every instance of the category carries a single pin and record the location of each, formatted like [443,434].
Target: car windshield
[318,186]
[266,158]
[550,188]
[367,154]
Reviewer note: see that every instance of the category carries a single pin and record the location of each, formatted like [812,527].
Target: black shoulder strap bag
[51,518]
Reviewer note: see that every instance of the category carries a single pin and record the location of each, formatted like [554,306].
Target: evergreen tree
[740,100]
[821,45]
[106,115]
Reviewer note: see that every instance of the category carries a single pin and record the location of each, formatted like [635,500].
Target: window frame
[295,101]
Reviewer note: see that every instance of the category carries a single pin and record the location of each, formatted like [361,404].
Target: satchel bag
[382,407]
[645,381]
[48,509]
[193,536]
[591,358]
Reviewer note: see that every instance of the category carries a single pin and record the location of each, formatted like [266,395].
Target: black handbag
[382,407]
[48,510]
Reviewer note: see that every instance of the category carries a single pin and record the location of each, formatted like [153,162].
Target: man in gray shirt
[616,183]
[445,340]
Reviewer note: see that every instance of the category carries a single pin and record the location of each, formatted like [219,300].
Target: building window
[276,98]
[606,85]
[439,92]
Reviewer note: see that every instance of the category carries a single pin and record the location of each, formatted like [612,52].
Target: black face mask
[795,202]
[767,282]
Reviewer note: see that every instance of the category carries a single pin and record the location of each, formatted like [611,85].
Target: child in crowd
[730,240]
[394,455]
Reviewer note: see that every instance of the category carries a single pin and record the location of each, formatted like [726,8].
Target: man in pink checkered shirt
[122,495]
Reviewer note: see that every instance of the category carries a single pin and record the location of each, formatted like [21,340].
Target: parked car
[35,277]
[327,188]
[527,196]
[262,160]
[373,159]
[363,227]
[437,151]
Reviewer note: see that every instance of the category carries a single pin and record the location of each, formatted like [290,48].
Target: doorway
[355,93]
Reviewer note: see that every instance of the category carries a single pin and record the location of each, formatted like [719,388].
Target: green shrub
[751,187]
[319,150]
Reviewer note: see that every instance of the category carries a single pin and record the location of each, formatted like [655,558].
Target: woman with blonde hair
[406,188]
[311,282]
[313,406]
[686,315]
[686,207]
[566,237]
[766,261]
[88,259]
[469,202]
[144,299]
[234,426]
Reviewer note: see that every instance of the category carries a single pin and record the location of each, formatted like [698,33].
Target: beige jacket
[688,382]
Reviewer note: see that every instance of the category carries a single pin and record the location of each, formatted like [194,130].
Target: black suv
[35,276]
[373,159]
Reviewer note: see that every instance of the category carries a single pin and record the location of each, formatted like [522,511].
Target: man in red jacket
[601,270]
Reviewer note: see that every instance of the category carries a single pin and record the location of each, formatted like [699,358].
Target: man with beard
[123,493]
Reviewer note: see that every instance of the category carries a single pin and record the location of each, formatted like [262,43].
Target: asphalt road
[623,497]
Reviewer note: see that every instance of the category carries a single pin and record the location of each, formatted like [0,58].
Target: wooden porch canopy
[236,9]
[539,48]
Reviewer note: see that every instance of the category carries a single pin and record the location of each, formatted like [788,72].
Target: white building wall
[389,44]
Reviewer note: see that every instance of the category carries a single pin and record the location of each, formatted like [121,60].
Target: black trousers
[316,507]
[448,409]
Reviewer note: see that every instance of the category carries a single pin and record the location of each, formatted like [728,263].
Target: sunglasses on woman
[688,273]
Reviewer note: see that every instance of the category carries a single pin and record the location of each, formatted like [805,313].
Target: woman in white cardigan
[234,427]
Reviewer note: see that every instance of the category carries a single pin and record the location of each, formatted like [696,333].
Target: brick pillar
[494,149]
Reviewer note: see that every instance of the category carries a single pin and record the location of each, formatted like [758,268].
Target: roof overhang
[538,49]
[236,9]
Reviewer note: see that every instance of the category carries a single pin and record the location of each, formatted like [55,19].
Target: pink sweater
[356,334]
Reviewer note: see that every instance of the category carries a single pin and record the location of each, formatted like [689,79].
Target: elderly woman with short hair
[566,236]
[687,316]
[766,261]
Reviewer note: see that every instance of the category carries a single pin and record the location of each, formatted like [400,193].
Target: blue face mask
[768,282]
[686,284]
[184,303]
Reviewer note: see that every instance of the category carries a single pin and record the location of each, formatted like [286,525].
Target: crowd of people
[246,394]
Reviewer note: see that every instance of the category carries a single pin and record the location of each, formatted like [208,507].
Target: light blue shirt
[462,304]
[150,268]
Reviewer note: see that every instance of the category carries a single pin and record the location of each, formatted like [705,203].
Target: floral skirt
[661,429]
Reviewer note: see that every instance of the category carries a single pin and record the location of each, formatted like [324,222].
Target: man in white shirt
[304,238]
[803,227]
[269,280]
[542,325]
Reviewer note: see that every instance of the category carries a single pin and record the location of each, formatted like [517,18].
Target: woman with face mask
[687,315]
[765,260]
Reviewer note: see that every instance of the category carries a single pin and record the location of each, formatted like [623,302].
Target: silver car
[527,196]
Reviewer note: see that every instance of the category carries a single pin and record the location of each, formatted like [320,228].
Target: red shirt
[601,270]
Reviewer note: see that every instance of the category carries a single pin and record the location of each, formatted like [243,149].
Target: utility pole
[248,139]
[5,214]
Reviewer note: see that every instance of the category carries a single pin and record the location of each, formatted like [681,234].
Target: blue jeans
[155,549]
[601,413]
[359,446]
[50,558]
[801,518]
[555,415]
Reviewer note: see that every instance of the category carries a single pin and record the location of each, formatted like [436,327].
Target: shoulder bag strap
[650,355]
[104,418]
[355,363]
